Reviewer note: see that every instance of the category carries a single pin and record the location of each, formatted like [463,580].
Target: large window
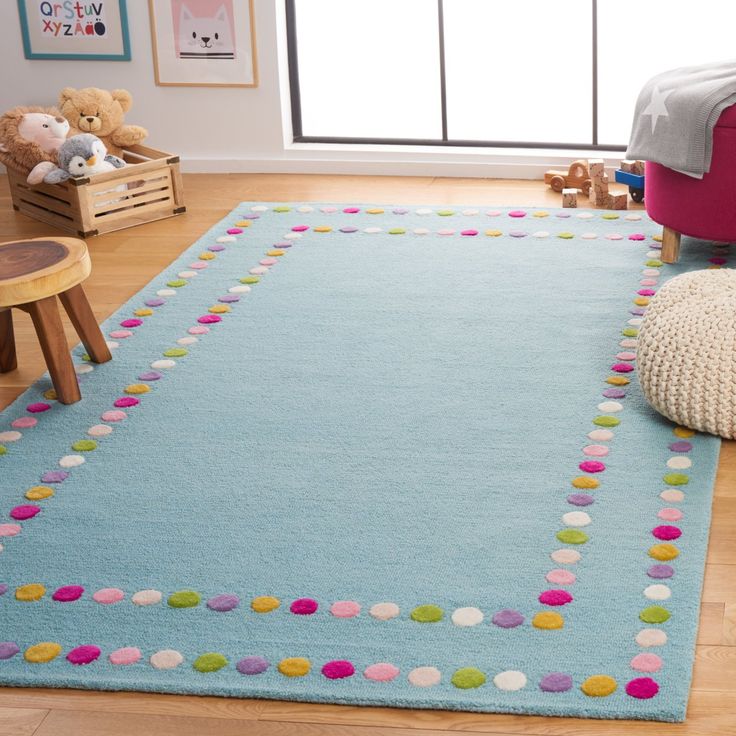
[529,73]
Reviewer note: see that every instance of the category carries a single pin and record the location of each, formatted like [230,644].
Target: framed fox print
[204,43]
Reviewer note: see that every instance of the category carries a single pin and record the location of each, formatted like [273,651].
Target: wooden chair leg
[670,245]
[8,360]
[50,331]
[80,313]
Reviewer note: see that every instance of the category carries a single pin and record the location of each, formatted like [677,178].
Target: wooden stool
[32,273]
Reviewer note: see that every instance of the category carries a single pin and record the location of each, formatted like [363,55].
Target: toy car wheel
[557,183]
[586,187]
[636,194]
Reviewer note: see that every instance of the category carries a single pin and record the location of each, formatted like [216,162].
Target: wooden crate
[150,190]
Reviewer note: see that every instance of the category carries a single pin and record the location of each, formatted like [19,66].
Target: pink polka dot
[9,530]
[84,655]
[648,282]
[666,532]
[622,368]
[560,577]
[381,672]
[345,609]
[615,236]
[131,323]
[234,231]
[24,422]
[198,330]
[113,416]
[493,213]
[637,236]
[592,466]
[646,662]
[351,210]
[642,687]
[126,401]
[198,265]
[517,213]
[108,595]
[21,513]
[267,261]
[68,593]
[209,319]
[469,233]
[595,450]
[646,292]
[445,231]
[121,334]
[555,597]
[626,355]
[304,606]
[670,514]
[38,407]
[300,228]
[126,655]
[338,669]
[717,260]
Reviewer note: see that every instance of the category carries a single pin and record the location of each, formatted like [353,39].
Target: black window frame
[296,112]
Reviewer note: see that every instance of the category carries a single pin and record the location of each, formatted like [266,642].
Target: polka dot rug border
[368,454]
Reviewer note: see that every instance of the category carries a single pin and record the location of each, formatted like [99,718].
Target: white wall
[236,129]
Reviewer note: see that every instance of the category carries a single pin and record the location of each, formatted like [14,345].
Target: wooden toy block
[619,201]
[569,197]
[627,165]
[638,168]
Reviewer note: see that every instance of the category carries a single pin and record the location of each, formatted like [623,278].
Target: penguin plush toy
[82,155]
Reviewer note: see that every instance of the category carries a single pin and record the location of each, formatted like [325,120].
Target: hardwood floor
[123,263]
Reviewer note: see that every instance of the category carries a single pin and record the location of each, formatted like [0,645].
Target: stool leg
[670,245]
[8,361]
[80,313]
[47,321]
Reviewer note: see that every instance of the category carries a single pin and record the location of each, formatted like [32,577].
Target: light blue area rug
[375,455]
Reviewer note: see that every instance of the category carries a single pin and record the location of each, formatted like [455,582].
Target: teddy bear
[97,111]
[30,136]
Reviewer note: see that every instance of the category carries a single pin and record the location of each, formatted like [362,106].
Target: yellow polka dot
[265,604]
[242,223]
[323,229]
[598,686]
[683,432]
[641,301]
[143,312]
[714,267]
[375,211]
[618,381]
[30,592]
[276,253]
[44,651]
[206,256]
[541,213]
[219,309]
[137,388]
[294,666]
[663,551]
[38,493]
[548,620]
[583,481]
[658,238]
[50,395]
[494,233]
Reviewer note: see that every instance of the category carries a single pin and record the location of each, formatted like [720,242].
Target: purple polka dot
[517,234]
[614,393]
[209,319]
[285,244]
[637,311]
[400,211]
[3,588]
[155,302]
[563,215]
[348,229]
[251,665]
[131,323]
[249,216]
[234,231]
[681,446]
[84,655]
[228,298]
[304,606]
[216,247]
[38,407]
[68,593]
[555,597]
[54,476]
[580,499]
[223,602]
[555,682]
[150,376]
[508,618]
[8,649]
[660,572]
[26,511]
[338,669]
[655,246]
[126,401]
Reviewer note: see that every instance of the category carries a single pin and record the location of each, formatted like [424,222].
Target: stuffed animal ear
[118,163]
[123,97]
[56,176]
[66,94]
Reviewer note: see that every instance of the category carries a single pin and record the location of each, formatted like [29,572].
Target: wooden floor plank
[20,721]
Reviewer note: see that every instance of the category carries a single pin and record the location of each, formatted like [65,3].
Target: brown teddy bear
[98,111]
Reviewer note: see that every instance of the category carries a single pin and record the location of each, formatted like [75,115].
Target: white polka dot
[632,218]
[446,231]
[240,289]
[541,234]
[424,211]
[589,236]
[679,463]
[328,210]
[112,344]
[226,239]
[566,556]
[83,368]
[166,659]
[425,676]
[99,430]
[470,213]
[10,436]
[651,638]
[584,215]
[653,254]
[304,209]
[384,611]
[187,340]
[610,407]
[510,680]
[629,342]
[651,272]
[164,363]
[71,461]
[259,208]
[258,270]
[469,616]
[166,292]
[421,231]
[186,274]
[635,321]
[576,518]
[1,548]
[672,495]
[372,230]
[657,592]
[147,597]
[600,435]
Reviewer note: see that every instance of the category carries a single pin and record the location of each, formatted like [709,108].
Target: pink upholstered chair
[702,208]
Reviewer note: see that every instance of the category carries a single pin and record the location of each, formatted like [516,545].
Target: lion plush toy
[97,111]
[31,135]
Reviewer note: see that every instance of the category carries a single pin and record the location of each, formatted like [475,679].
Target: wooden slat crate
[150,190]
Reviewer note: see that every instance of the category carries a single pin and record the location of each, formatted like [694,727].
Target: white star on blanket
[656,107]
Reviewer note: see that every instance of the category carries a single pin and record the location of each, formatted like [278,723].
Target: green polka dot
[606,421]
[467,678]
[630,332]
[3,449]
[176,283]
[676,479]
[84,446]
[654,615]
[566,236]
[87,357]
[427,614]
[249,280]
[210,662]
[572,536]
[396,231]
[175,353]
[445,213]
[610,216]
[282,208]
[185,599]
[653,263]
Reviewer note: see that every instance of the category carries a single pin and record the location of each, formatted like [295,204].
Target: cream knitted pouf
[686,353]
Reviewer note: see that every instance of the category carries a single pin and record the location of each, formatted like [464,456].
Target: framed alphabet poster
[204,43]
[75,29]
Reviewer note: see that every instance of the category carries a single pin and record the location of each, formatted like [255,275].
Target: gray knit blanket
[676,113]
